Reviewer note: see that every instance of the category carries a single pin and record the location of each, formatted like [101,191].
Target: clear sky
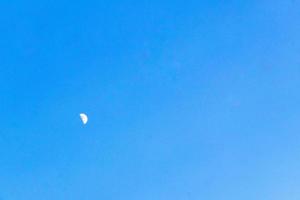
[187,100]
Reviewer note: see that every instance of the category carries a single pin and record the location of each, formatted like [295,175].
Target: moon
[84,118]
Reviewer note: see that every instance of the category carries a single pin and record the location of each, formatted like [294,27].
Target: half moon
[83,118]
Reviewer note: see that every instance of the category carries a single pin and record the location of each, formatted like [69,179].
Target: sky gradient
[187,100]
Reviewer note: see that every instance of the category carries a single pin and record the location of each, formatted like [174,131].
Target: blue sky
[186,100]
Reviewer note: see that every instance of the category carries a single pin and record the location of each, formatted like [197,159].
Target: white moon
[84,118]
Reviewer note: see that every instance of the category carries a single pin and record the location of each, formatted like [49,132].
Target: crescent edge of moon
[84,118]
